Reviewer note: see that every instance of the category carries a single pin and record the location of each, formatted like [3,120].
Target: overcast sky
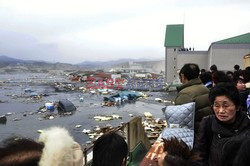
[73,31]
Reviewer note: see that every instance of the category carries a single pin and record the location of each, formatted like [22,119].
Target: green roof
[241,39]
[174,36]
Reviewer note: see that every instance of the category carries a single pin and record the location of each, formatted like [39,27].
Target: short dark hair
[190,71]
[236,67]
[20,151]
[213,68]
[110,150]
[178,153]
[220,76]
[206,77]
[246,75]
[227,89]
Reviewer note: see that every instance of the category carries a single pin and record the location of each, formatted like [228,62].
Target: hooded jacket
[195,91]
[60,149]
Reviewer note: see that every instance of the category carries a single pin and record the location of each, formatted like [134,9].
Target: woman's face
[224,109]
[240,85]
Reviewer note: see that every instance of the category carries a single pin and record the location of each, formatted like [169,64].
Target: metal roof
[174,36]
[241,39]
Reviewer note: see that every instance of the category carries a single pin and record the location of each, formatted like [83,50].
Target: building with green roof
[224,53]
[241,39]
[174,36]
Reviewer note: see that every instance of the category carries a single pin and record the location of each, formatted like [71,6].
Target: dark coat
[243,99]
[195,91]
[210,134]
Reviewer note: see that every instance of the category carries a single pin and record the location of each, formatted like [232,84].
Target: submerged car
[66,106]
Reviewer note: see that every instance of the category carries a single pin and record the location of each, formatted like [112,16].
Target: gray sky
[73,31]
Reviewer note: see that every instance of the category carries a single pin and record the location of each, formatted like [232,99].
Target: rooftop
[174,35]
[241,39]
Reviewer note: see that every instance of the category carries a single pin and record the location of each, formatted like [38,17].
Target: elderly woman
[227,122]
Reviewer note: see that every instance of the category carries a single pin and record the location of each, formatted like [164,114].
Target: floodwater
[24,120]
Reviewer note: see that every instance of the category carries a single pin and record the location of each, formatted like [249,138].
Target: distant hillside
[105,64]
[6,61]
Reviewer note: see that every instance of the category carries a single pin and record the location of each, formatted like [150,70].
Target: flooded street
[24,119]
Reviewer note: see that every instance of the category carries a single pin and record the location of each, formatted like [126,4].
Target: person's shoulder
[208,118]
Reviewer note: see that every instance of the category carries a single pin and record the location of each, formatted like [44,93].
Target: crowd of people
[222,129]
[221,133]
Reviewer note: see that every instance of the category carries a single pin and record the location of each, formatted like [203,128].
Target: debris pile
[107,117]
[95,133]
[153,127]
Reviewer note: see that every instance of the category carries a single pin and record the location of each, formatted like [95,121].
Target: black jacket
[211,134]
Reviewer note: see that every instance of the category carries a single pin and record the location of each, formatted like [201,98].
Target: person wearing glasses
[217,132]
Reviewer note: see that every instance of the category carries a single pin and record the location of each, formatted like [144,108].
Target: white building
[136,68]
[224,54]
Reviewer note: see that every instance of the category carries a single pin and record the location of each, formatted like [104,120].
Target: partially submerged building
[224,53]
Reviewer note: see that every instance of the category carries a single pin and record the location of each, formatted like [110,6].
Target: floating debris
[51,117]
[86,131]
[31,113]
[103,118]
[105,93]
[131,115]
[107,117]
[81,99]
[158,99]
[78,126]
[66,106]
[88,142]
[28,90]
[16,119]
[92,91]
[168,101]
[40,119]
[147,114]
[116,116]
[96,132]
[3,119]
[9,113]
[153,127]
[40,131]
[50,107]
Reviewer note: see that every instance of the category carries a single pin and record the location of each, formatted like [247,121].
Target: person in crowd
[193,90]
[20,151]
[219,76]
[177,153]
[213,68]
[237,74]
[206,79]
[54,147]
[236,67]
[230,75]
[246,78]
[110,150]
[226,122]
[203,71]
[240,85]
